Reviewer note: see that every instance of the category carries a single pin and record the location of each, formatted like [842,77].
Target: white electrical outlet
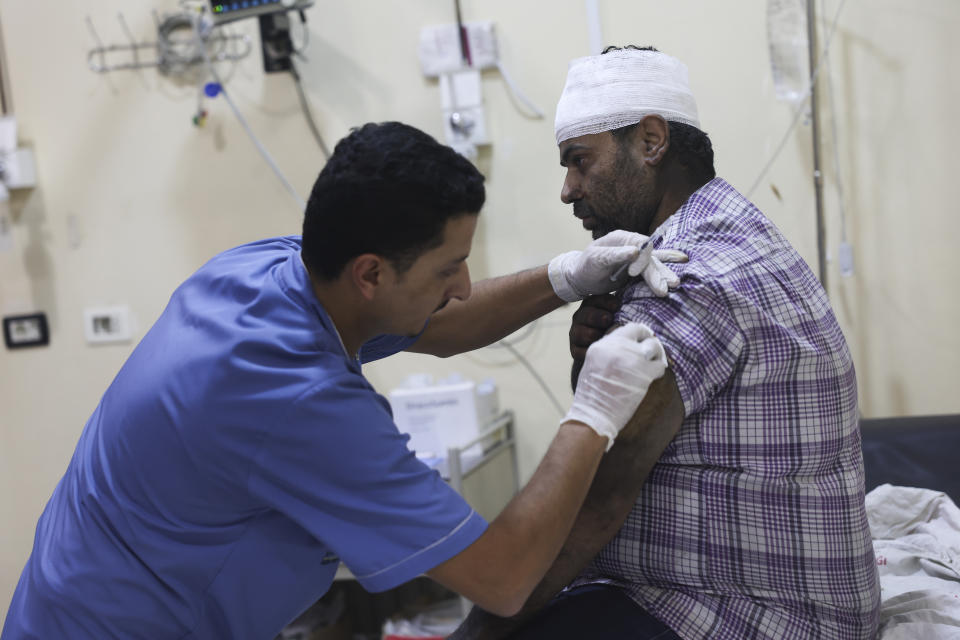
[108,324]
[440,48]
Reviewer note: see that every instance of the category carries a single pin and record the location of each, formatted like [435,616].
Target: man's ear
[653,138]
[367,274]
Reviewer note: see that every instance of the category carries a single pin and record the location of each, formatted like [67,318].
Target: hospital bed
[913,482]
[913,452]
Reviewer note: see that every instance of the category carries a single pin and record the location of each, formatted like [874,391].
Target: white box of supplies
[442,415]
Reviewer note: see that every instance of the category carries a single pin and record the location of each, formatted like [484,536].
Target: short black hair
[691,146]
[388,189]
[631,47]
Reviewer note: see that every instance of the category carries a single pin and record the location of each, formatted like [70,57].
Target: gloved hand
[655,274]
[608,262]
[615,377]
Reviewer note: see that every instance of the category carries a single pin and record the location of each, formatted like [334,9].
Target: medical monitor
[228,11]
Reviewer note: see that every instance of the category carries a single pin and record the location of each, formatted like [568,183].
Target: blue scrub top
[236,458]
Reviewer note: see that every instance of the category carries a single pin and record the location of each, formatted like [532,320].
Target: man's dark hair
[690,146]
[388,189]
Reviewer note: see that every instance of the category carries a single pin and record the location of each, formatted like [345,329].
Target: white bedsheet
[916,537]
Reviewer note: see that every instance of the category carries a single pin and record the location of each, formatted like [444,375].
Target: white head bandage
[619,88]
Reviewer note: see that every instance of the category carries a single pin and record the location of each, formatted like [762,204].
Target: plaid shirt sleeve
[701,339]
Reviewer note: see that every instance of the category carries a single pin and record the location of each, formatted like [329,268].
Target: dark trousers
[594,611]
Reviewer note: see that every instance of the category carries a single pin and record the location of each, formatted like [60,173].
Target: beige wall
[150,197]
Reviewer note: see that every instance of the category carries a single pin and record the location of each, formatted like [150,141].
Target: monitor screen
[224,11]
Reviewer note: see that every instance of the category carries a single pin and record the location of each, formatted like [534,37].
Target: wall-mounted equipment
[190,42]
[276,45]
[224,12]
[17,171]
[175,51]
[17,166]
[456,54]
[273,16]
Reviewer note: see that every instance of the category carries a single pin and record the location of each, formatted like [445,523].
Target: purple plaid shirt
[752,524]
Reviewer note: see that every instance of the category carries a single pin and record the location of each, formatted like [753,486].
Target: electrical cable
[527,332]
[510,345]
[305,105]
[517,93]
[801,103]
[306,35]
[536,376]
[462,34]
[243,121]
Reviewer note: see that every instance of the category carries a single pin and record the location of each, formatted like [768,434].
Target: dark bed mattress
[918,451]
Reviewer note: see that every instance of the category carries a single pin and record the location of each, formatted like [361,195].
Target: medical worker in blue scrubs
[240,454]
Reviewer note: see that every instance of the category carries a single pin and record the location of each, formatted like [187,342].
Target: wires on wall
[198,34]
[533,372]
[305,105]
[511,347]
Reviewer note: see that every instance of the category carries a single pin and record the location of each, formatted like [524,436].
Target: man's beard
[626,202]
[617,214]
[602,226]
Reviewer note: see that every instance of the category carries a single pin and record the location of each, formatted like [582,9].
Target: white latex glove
[608,262]
[616,374]
[658,277]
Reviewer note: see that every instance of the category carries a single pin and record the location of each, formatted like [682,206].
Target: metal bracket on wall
[175,50]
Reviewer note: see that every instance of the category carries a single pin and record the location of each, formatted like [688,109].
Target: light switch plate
[107,324]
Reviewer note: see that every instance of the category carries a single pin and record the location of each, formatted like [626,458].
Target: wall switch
[107,324]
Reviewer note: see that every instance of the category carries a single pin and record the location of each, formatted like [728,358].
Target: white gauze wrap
[619,88]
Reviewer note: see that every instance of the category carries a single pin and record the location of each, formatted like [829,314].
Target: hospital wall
[132,197]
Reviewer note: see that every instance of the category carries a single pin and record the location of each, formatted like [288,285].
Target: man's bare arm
[503,566]
[611,497]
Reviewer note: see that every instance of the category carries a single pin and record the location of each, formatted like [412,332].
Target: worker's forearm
[496,308]
[538,520]
[501,568]
[606,507]
[612,494]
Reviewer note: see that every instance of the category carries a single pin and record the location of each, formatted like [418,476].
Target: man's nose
[570,192]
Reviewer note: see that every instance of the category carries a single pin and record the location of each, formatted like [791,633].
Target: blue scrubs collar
[325,315]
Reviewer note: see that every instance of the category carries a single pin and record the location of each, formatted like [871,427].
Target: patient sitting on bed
[751,522]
